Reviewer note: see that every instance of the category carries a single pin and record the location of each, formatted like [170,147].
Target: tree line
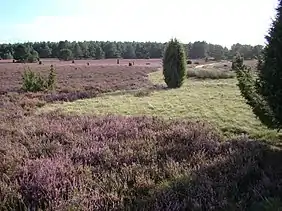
[67,50]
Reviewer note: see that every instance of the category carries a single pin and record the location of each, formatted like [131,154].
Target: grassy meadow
[216,101]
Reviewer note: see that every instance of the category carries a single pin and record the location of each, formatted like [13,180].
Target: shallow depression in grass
[217,101]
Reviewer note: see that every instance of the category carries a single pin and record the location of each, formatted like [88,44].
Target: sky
[222,22]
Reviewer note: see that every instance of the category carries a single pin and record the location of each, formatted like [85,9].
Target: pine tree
[264,94]
[99,53]
[21,53]
[65,54]
[174,64]
[129,52]
[77,51]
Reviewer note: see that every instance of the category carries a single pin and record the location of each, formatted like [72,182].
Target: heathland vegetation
[163,128]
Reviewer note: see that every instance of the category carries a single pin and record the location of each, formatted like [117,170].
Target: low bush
[210,73]
[34,82]
[189,62]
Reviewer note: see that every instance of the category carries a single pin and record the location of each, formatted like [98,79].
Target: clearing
[216,101]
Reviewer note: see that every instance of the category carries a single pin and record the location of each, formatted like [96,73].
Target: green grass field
[216,101]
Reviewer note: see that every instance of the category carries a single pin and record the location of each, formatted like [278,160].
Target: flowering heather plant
[57,162]
[74,83]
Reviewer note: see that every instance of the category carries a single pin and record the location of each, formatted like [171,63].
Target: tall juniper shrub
[264,93]
[174,64]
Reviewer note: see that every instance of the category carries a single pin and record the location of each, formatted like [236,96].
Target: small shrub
[210,74]
[130,64]
[189,62]
[196,63]
[33,82]
[51,79]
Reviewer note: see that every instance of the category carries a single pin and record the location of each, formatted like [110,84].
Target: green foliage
[33,82]
[8,56]
[99,53]
[237,62]
[139,50]
[246,51]
[51,79]
[198,50]
[65,54]
[218,52]
[33,56]
[247,86]
[264,94]
[129,52]
[110,49]
[44,51]
[77,52]
[174,64]
[25,53]
[21,53]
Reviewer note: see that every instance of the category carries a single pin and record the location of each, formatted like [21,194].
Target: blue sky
[217,21]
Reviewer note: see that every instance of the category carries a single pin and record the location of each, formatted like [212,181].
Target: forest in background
[66,50]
